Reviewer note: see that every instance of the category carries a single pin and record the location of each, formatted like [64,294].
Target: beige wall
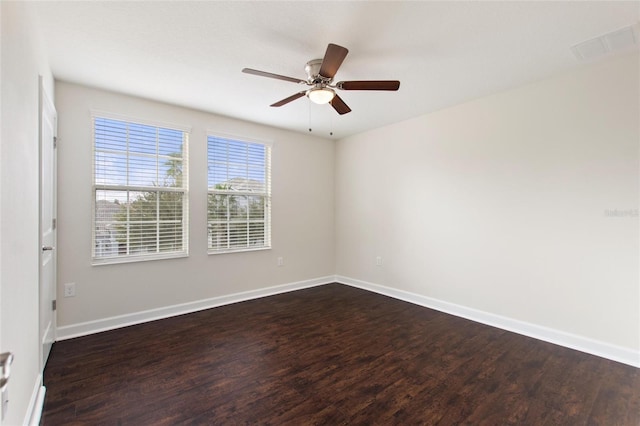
[22,63]
[302,211]
[500,204]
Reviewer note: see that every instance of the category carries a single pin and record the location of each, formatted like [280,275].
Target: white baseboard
[558,337]
[91,327]
[36,404]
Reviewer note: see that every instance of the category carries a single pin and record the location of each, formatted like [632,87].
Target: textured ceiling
[191,53]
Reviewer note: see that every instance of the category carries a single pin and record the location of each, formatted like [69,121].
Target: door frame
[46,106]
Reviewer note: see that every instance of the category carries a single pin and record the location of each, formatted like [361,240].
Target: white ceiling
[192,53]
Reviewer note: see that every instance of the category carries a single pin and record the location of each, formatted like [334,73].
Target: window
[239,199]
[140,186]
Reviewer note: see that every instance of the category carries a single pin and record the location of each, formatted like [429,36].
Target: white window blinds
[239,198]
[140,191]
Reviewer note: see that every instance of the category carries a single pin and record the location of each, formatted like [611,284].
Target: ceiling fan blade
[338,104]
[272,75]
[332,60]
[369,85]
[289,99]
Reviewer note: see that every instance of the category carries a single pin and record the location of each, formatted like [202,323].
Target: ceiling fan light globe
[321,96]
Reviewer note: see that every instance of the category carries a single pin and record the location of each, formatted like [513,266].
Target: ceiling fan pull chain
[331,125]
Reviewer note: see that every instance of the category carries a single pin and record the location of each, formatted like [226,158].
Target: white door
[48,174]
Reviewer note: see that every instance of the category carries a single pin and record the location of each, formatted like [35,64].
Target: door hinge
[55,142]
[54,223]
[54,305]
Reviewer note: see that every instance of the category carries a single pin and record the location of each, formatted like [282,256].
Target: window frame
[95,188]
[268,146]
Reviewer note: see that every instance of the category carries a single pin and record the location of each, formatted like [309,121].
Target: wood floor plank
[330,355]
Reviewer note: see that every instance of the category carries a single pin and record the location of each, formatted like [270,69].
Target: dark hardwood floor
[330,355]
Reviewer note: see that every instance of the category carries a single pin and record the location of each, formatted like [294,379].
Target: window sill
[242,250]
[132,259]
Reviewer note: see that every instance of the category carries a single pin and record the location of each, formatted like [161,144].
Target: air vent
[624,39]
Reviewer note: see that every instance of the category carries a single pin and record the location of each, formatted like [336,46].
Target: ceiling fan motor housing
[312,68]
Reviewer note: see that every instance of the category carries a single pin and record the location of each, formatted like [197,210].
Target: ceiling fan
[320,73]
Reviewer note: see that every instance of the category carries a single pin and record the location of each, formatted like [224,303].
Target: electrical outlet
[70,290]
[379,261]
[281,261]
